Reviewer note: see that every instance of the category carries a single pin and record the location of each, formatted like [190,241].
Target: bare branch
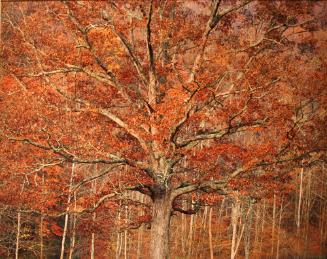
[89,179]
[235,8]
[102,200]
[47,165]
[128,48]
[63,152]
[222,132]
[174,131]
[102,65]
[216,134]
[214,19]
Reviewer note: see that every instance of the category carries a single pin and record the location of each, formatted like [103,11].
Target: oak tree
[169,98]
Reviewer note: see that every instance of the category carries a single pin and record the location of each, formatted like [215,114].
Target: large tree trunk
[159,248]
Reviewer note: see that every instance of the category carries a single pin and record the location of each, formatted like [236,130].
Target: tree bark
[161,213]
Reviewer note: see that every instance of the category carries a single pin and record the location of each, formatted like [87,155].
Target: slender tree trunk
[210,233]
[298,212]
[159,246]
[236,238]
[63,240]
[41,236]
[322,221]
[126,233]
[308,206]
[204,218]
[184,221]
[73,238]
[202,237]
[139,242]
[93,221]
[93,237]
[67,214]
[257,222]
[234,216]
[220,212]
[247,235]
[18,234]
[140,233]
[298,218]
[92,242]
[183,239]
[221,209]
[262,224]
[273,226]
[41,220]
[279,224]
[323,231]
[190,235]
[118,244]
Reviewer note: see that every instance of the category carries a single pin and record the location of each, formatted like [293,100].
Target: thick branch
[207,186]
[188,211]
[216,134]
[122,124]
[152,71]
